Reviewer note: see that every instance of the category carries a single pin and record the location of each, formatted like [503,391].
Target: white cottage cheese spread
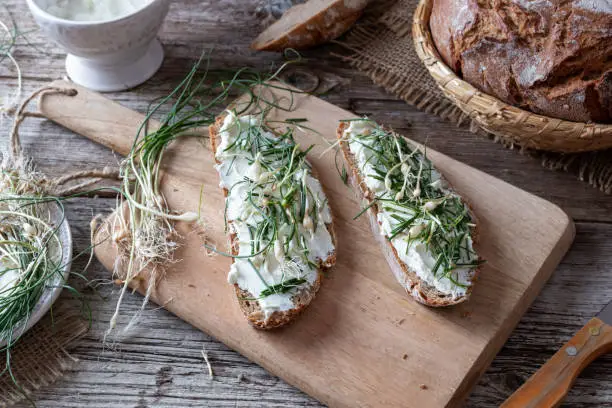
[277,210]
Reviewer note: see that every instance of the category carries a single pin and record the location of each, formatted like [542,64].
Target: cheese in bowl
[91,10]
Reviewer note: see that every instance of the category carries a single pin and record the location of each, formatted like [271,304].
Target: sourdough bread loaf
[552,57]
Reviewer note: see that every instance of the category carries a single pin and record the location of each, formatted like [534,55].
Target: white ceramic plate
[54,286]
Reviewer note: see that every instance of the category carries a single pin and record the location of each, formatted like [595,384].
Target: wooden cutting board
[363,342]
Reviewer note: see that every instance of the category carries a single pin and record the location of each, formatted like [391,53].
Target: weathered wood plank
[46,140]
[160,364]
[576,292]
[229,38]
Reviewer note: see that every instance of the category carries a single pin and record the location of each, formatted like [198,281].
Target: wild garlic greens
[276,209]
[31,257]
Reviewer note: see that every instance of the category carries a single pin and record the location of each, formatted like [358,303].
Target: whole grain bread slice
[301,299]
[414,285]
[312,23]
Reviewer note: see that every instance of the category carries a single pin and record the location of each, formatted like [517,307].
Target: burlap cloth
[40,357]
[381,46]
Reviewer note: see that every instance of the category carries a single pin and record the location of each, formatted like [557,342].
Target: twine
[57,186]
[15,150]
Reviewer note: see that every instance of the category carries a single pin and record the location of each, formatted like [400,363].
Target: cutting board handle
[551,383]
[93,116]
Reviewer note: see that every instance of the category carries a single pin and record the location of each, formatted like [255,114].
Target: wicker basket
[519,126]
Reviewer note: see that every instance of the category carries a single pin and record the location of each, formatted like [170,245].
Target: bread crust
[552,57]
[301,27]
[415,286]
[251,308]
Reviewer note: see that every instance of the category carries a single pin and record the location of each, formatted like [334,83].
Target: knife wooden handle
[551,383]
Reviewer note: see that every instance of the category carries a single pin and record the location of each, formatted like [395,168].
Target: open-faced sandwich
[277,217]
[425,229]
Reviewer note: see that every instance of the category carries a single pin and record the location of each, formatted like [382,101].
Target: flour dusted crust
[312,23]
[415,286]
[251,308]
[553,57]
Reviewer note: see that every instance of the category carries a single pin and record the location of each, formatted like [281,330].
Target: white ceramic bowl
[111,55]
[54,286]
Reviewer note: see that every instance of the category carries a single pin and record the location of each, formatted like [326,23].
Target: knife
[550,384]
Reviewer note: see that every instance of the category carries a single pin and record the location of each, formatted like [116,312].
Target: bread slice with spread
[425,229]
[277,217]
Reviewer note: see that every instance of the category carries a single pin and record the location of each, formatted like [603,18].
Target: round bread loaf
[552,57]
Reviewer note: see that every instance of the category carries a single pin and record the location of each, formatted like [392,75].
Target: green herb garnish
[282,287]
[422,209]
[277,200]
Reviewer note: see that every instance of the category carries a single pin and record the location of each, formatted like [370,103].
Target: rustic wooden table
[160,364]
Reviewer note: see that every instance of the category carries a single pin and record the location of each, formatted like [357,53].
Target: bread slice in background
[312,23]
[412,283]
[301,298]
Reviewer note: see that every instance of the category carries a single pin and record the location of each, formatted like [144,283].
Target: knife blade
[605,315]
[551,383]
